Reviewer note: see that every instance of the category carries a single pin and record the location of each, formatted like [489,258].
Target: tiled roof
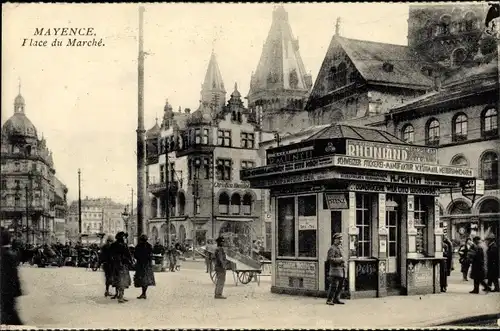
[338,131]
[477,72]
[369,58]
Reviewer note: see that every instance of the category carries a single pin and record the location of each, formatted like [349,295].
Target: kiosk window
[421,217]
[286,227]
[307,221]
[363,216]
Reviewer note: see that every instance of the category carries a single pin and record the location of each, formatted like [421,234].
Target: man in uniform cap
[492,262]
[336,272]
[105,261]
[220,267]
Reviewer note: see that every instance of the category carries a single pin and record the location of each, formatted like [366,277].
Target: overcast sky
[84,100]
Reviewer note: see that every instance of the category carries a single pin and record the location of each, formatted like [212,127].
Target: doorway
[393,221]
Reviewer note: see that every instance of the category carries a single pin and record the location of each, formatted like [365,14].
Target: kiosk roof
[356,132]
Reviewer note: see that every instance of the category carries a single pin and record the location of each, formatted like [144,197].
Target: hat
[337,236]
[121,235]
[143,238]
[220,240]
[476,238]
[110,238]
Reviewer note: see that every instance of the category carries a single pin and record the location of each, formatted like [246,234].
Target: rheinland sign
[400,166]
[391,152]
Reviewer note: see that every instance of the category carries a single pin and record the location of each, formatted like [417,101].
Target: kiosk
[376,190]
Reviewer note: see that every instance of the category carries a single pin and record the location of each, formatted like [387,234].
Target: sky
[84,100]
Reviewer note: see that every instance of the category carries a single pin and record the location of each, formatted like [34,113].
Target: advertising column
[412,231]
[353,239]
[382,254]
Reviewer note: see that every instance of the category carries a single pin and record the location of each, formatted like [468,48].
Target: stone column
[382,246]
[158,207]
[353,239]
[412,231]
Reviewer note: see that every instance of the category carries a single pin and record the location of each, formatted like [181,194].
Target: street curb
[467,320]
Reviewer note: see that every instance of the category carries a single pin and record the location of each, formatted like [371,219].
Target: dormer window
[458,57]
[294,79]
[470,22]
[444,25]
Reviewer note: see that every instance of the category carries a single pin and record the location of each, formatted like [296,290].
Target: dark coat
[448,256]
[477,258]
[336,262]
[492,261]
[463,259]
[105,261]
[10,286]
[121,262]
[144,275]
[221,262]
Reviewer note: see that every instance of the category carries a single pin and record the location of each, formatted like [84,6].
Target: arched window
[429,30]
[444,25]
[459,208]
[489,169]
[223,203]
[247,204]
[182,203]
[459,160]
[489,206]
[154,232]
[470,22]
[235,204]
[489,122]
[460,127]
[432,132]
[342,74]
[408,133]
[458,56]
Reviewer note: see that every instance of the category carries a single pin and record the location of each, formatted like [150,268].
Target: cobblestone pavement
[73,297]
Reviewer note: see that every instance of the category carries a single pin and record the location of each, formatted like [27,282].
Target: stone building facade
[32,197]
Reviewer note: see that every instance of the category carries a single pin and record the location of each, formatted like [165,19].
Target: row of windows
[223,171]
[446,26]
[234,205]
[489,128]
[488,167]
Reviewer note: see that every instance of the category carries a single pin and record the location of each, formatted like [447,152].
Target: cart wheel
[213,276]
[245,277]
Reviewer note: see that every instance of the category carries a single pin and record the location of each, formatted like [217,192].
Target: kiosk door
[393,219]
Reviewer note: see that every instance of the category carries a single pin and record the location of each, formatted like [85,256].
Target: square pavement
[71,297]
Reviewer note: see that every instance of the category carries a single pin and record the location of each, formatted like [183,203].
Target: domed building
[33,199]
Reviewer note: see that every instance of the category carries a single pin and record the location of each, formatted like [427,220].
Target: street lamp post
[126,218]
[196,197]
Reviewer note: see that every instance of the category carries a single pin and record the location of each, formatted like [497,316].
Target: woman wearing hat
[121,264]
[144,275]
[105,261]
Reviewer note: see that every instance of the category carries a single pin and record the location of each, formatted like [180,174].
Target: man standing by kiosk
[336,272]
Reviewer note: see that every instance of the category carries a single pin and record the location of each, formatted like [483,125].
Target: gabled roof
[338,131]
[369,58]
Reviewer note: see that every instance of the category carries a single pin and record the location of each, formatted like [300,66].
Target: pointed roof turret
[212,89]
[280,65]
[154,131]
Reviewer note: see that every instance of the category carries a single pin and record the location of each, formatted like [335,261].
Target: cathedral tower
[280,85]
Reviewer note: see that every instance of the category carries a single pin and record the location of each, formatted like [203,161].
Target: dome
[154,131]
[19,100]
[201,116]
[236,93]
[19,125]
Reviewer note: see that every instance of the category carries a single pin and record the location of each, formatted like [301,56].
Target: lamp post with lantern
[126,218]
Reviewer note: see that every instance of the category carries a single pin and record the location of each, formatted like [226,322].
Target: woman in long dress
[144,275]
[121,264]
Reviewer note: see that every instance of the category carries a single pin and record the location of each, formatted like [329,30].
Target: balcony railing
[459,137]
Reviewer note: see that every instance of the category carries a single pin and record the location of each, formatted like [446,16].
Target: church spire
[19,103]
[213,85]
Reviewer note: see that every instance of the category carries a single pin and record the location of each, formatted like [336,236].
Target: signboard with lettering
[336,200]
[304,150]
[391,152]
[297,274]
[421,273]
[473,188]
[366,163]
[231,185]
[398,189]
[307,222]
[366,275]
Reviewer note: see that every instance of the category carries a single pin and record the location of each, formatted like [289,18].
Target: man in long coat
[121,264]
[336,272]
[10,283]
[144,275]
[220,266]
[492,262]
[106,262]
[477,256]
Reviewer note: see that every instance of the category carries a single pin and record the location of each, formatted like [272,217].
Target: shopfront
[381,195]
